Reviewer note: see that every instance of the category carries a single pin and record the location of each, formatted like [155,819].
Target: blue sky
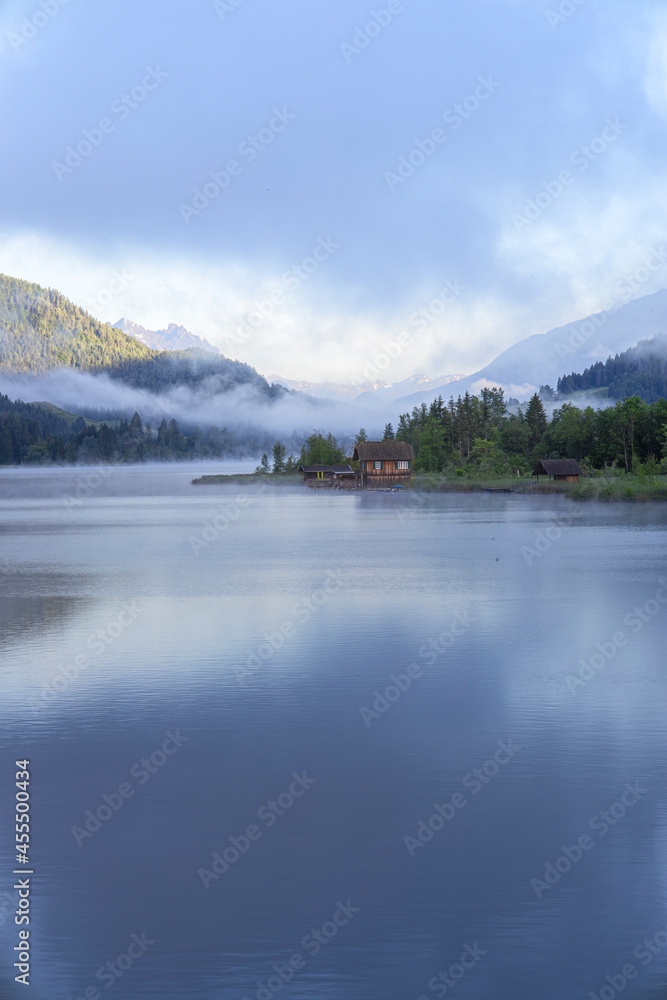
[369,159]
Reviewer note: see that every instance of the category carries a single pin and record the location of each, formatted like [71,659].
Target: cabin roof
[377,451]
[557,467]
[326,468]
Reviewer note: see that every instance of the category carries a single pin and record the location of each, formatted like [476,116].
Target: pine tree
[536,419]
[278,458]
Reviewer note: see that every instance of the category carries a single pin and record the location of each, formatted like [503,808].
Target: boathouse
[564,469]
[329,475]
[384,463]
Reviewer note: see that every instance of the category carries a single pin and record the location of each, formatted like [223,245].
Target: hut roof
[326,468]
[557,467]
[377,451]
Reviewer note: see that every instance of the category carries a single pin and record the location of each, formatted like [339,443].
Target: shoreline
[613,489]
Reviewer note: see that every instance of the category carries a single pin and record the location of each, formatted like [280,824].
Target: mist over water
[271,633]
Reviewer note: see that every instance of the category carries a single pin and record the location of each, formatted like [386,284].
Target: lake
[330,745]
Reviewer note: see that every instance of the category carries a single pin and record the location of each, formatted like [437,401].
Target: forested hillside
[640,371]
[41,330]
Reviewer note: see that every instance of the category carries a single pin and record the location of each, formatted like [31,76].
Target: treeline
[194,368]
[316,450]
[640,371]
[30,434]
[478,432]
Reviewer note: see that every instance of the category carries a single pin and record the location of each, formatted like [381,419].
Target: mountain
[640,371]
[174,338]
[365,392]
[41,330]
[542,358]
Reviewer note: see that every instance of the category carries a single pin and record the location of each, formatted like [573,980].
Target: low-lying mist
[244,409]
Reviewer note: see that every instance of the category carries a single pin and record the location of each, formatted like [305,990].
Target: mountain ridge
[172,338]
[542,358]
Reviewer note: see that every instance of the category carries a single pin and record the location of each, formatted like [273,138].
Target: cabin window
[402,465]
[377,465]
[363,466]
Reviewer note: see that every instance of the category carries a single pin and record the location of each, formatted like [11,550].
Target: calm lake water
[223,766]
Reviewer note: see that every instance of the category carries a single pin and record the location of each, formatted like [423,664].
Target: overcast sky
[382,154]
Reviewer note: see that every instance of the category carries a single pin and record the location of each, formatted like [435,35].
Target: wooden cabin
[564,469]
[384,463]
[342,476]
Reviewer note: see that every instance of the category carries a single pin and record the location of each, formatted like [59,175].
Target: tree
[361,436]
[263,465]
[136,428]
[388,433]
[319,450]
[278,458]
[536,419]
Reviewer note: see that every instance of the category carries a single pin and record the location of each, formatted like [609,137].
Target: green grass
[71,418]
[243,478]
[615,489]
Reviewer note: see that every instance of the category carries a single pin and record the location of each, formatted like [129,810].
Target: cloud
[655,78]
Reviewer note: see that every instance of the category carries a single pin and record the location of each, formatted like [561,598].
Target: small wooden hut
[329,475]
[384,463]
[564,469]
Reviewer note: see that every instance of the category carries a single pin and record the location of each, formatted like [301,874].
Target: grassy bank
[615,489]
[246,478]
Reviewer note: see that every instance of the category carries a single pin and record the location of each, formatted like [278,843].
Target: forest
[640,371]
[34,434]
[477,434]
